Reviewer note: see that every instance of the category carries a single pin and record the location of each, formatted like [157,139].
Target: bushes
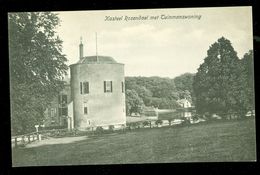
[111,128]
[99,130]
[133,125]
[158,122]
[146,123]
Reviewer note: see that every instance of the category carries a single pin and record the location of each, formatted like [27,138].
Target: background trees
[183,84]
[134,103]
[157,91]
[36,66]
[223,83]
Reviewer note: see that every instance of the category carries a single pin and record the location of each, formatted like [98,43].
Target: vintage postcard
[132,86]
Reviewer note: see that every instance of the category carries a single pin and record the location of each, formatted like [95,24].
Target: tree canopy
[221,80]
[36,66]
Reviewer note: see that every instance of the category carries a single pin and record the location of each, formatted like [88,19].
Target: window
[85,108]
[53,112]
[63,100]
[84,87]
[108,86]
[123,87]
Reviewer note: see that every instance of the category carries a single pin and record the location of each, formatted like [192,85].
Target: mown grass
[206,142]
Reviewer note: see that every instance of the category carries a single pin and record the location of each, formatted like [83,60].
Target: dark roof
[96,59]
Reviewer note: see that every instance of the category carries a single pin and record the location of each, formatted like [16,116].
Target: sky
[155,47]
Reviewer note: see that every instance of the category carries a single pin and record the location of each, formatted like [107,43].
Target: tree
[134,103]
[143,93]
[184,86]
[154,91]
[216,82]
[184,81]
[248,62]
[36,66]
[246,84]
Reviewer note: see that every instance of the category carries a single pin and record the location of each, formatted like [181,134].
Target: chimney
[80,49]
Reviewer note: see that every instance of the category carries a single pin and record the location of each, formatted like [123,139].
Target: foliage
[111,127]
[134,103]
[146,123]
[184,86]
[36,67]
[99,130]
[247,82]
[158,122]
[222,81]
[160,92]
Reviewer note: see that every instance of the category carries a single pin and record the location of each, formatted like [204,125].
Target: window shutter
[85,110]
[83,87]
[104,86]
[80,87]
[87,87]
[111,86]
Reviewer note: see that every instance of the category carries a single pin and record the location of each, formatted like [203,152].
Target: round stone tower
[97,91]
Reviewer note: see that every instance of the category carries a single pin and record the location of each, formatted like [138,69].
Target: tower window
[85,108]
[123,87]
[108,86]
[84,87]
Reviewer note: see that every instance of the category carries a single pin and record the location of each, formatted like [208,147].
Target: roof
[96,59]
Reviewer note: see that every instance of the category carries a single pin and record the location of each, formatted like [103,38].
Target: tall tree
[246,83]
[248,61]
[36,66]
[216,82]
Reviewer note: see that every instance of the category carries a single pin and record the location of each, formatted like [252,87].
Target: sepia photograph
[102,87]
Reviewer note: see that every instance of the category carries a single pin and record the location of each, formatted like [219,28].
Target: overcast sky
[162,47]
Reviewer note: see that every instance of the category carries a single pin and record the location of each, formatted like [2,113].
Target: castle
[93,96]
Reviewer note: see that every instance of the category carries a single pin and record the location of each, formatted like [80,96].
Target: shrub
[158,122]
[111,128]
[186,121]
[99,130]
[195,117]
[146,123]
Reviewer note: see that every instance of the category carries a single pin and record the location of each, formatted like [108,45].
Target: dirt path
[52,141]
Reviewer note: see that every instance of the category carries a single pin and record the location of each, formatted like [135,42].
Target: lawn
[205,142]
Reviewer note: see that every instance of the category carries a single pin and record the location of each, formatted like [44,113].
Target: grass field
[206,142]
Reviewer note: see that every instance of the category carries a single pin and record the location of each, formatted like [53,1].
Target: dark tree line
[224,83]
[36,67]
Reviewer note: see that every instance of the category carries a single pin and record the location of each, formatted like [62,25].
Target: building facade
[96,93]
[57,114]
